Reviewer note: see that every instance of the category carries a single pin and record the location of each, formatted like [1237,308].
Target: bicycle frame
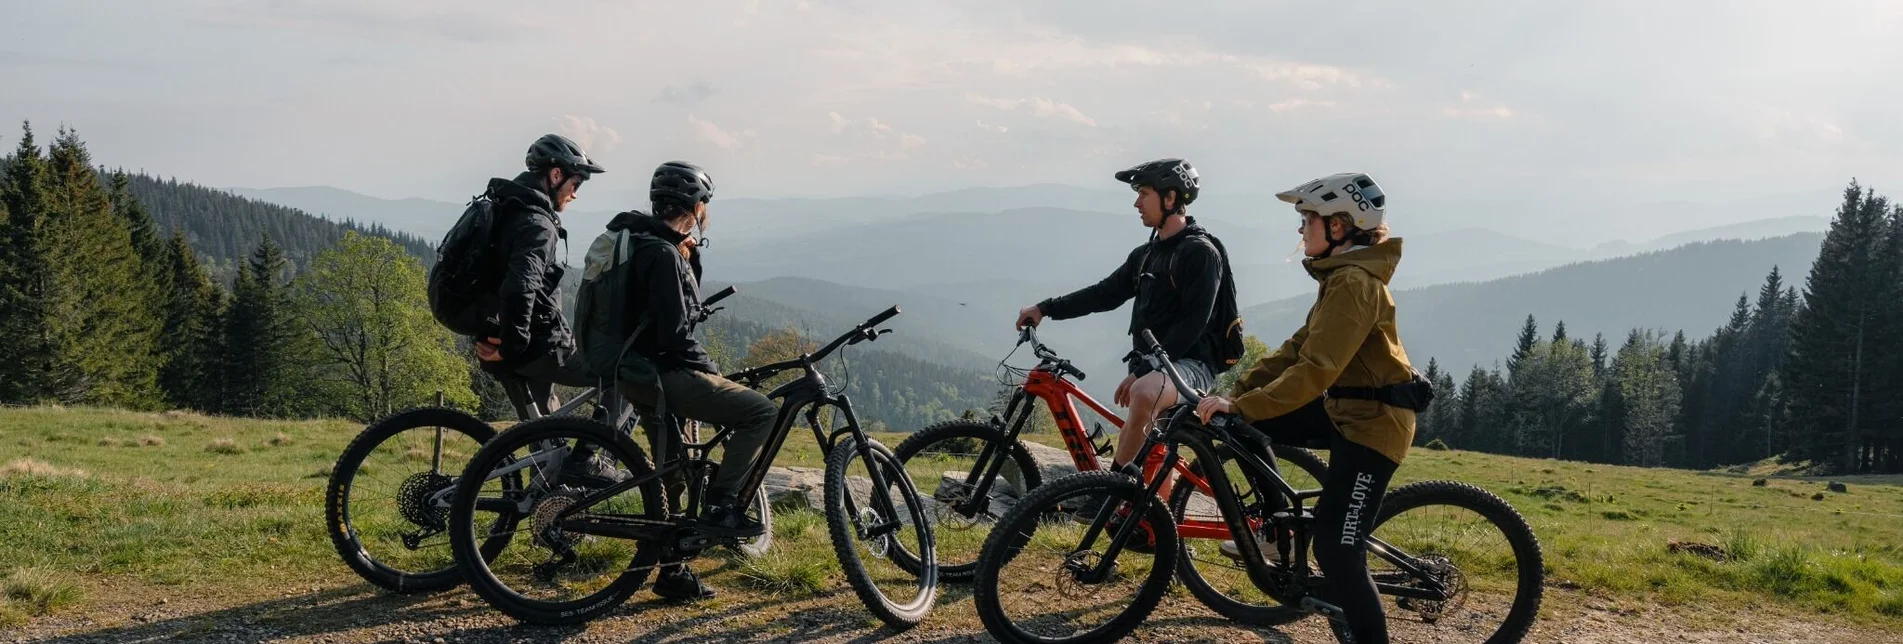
[1046,382]
[803,397]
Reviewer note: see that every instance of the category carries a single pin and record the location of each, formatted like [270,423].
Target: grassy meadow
[95,499]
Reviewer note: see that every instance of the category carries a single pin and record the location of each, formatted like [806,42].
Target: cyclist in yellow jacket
[1341,383]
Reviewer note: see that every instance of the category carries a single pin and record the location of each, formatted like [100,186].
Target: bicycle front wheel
[1045,579]
[882,533]
[944,457]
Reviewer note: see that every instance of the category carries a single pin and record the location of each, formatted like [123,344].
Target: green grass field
[89,498]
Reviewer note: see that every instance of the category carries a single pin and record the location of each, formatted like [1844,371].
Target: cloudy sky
[1603,102]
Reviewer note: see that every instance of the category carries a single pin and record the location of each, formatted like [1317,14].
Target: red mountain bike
[979,468]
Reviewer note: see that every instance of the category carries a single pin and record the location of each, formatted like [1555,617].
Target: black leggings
[1351,497]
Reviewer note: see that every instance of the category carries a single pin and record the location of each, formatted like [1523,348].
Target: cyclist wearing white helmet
[1341,383]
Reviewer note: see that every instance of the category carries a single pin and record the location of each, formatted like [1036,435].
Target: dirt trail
[358,614]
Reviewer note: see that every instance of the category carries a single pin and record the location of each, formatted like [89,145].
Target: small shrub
[38,591]
[152,440]
[1437,445]
[781,574]
[1761,483]
[224,446]
[109,442]
[281,440]
[1619,515]
[34,467]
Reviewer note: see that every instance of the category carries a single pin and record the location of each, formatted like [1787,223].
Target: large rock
[1054,463]
[791,488]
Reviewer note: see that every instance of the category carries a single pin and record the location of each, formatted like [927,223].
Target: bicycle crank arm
[1331,611]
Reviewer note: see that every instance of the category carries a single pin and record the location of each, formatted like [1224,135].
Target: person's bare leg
[1147,395]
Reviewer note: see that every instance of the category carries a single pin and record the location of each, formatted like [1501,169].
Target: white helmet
[1349,193]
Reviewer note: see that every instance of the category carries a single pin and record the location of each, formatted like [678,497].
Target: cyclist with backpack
[637,307]
[1342,383]
[1184,295]
[498,276]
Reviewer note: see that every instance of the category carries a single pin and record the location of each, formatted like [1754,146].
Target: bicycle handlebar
[723,294]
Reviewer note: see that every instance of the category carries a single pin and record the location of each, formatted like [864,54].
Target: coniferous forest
[1811,371]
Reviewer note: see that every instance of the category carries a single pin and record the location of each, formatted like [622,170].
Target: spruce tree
[102,323]
[28,352]
[1559,332]
[1827,377]
[189,374]
[1598,355]
[258,337]
[1529,336]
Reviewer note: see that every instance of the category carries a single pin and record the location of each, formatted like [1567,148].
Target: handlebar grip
[1078,372]
[1149,341]
[723,294]
[882,317]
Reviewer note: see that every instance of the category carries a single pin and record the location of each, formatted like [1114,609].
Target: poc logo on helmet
[1366,195]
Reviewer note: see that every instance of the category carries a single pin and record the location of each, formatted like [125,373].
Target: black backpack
[603,333]
[1225,321]
[465,275]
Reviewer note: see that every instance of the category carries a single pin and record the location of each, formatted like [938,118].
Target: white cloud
[878,138]
[1777,123]
[1042,107]
[1475,107]
[969,163]
[1293,104]
[595,138]
[712,133]
[993,128]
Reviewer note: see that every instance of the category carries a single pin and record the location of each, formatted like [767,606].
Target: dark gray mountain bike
[574,552]
[386,506]
[1460,563]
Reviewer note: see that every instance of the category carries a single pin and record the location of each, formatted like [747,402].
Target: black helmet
[557,151]
[1165,174]
[680,182]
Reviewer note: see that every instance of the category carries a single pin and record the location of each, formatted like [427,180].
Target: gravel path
[358,614]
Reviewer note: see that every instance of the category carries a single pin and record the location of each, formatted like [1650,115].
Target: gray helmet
[681,182]
[557,151]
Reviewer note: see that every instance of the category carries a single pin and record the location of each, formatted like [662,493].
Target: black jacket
[530,320]
[665,288]
[1173,300]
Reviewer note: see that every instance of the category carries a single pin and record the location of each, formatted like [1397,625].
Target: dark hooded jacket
[529,301]
[665,288]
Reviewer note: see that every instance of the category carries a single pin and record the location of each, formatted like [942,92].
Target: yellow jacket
[1349,340]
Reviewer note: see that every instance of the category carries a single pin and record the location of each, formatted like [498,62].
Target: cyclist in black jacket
[531,336]
[1174,278]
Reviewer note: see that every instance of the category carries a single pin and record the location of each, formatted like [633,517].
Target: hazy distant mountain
[1690,288]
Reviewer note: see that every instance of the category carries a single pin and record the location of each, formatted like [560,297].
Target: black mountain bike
[386,506]
[590,547]
[1461,563]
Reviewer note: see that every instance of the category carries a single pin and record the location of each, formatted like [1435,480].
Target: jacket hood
[1378,260]
[635,221]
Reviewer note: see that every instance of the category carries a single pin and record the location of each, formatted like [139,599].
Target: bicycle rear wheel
[881,533]
[553,574]
[380,504]
[1470,542]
